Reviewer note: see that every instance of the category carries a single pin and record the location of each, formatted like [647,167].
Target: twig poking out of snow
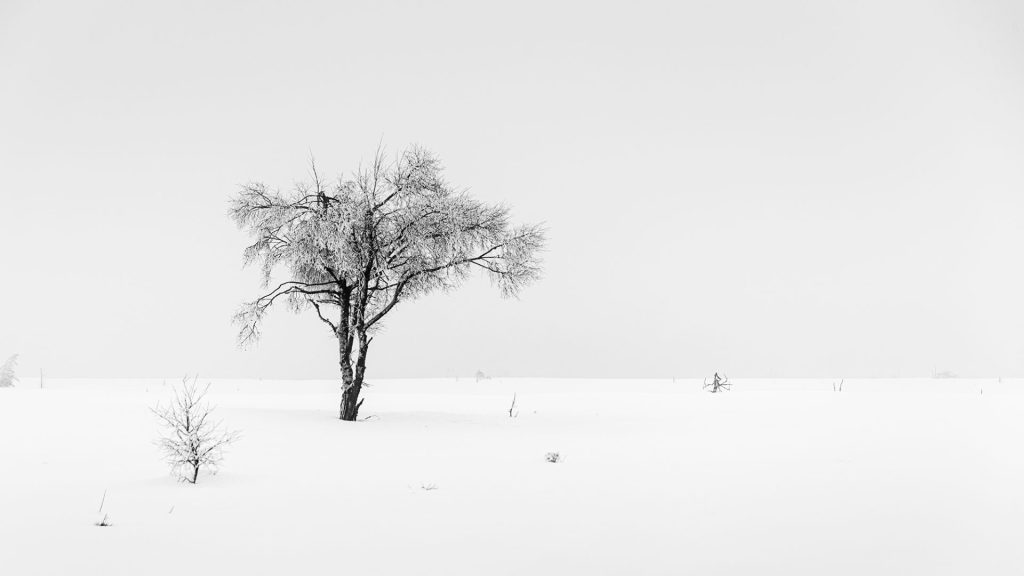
[192,439]
[105,520]
[553,457]
[428,487]
[512,412]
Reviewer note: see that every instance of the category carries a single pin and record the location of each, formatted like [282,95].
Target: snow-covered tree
[7,376]
[192,440]
[352,251]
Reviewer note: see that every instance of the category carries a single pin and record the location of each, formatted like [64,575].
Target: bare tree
[7,375]
[192,439]
[352,251]
[718,383]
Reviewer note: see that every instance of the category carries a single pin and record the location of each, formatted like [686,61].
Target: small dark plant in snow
[7,376]
[838,388]
[718,383]
[192,440]
[553,457]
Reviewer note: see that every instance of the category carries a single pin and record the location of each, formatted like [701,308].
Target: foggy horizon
[765,190]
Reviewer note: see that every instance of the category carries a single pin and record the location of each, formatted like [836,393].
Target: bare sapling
[192,440]
[718,384]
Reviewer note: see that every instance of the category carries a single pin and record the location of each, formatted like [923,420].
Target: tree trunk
[352,383]
[349,409]
[350,402]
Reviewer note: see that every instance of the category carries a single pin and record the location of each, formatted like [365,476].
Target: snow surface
[656,477]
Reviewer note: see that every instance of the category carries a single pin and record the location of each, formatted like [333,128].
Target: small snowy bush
[7,376]
[553,457]
[192,439]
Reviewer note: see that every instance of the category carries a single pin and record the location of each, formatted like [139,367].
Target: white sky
[762,188]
